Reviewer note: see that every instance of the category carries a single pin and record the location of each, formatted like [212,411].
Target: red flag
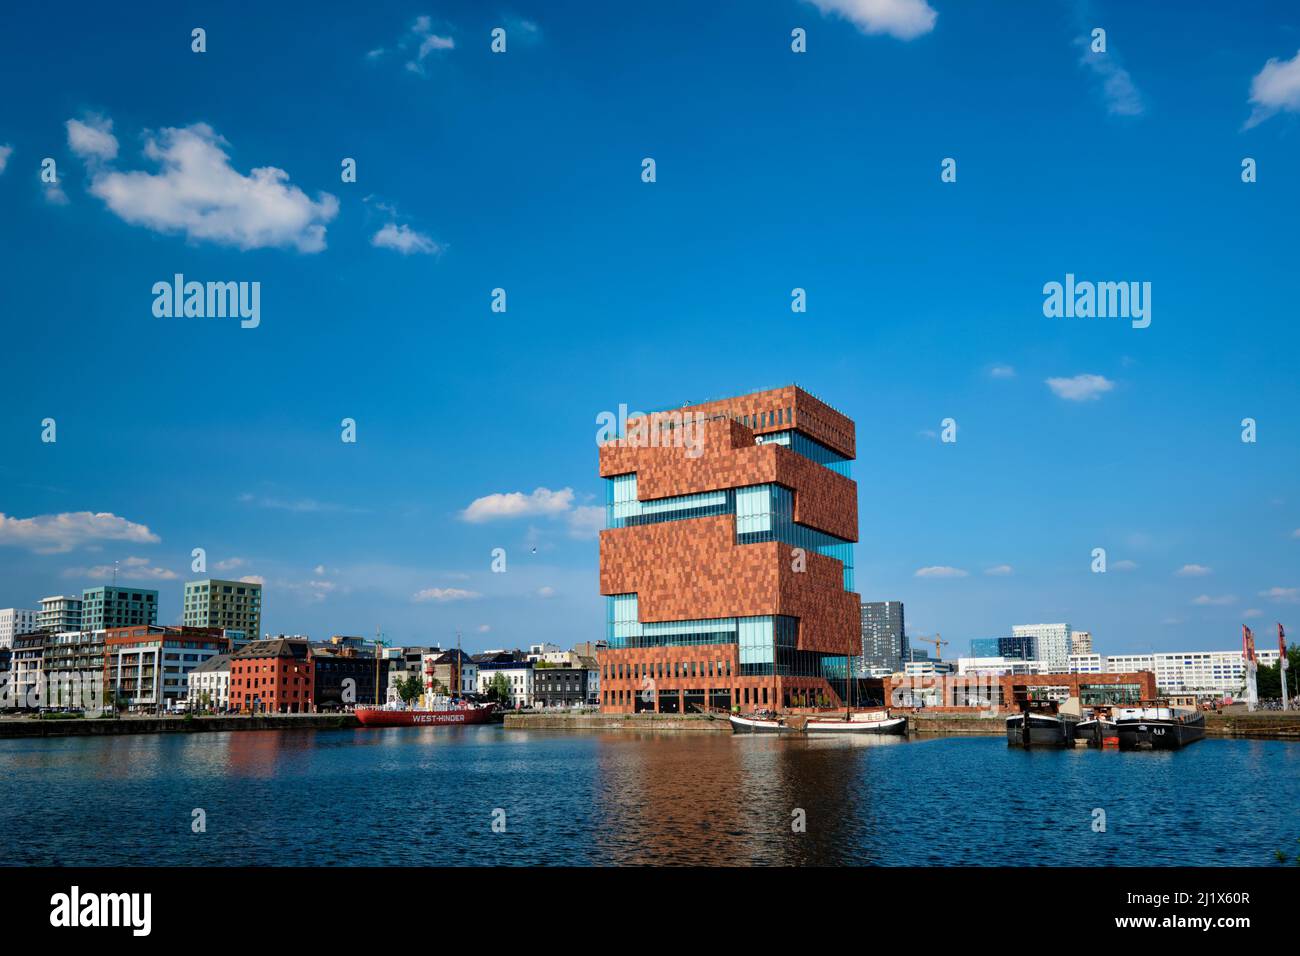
[1281,646]
[1247,643]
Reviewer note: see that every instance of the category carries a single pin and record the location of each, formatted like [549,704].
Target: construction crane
[938,644]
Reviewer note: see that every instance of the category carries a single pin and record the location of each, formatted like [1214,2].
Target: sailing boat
[861,722]
[876,721]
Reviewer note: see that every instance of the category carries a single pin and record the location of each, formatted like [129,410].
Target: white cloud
[1252,612]
[318,570]
[1000,570]
[940,571]
[92,139]
[229,564]
[484,628]
[131,569]
[1296,533]
[253,579]
[1206,600]
[5,152]
[443,594]
[1124,565]
[197,193]
[427,42]
[1193,571]
[1002,371]
[1276,87]
[516,504]
[54,194]
[523,31]
[585,521]
[1282,595]
[546,591]
[1080,388]
[1117,87]
[404,239]
[60,533]
[904,19]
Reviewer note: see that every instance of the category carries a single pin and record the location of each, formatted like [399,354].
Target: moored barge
[1154,725]
[1041,723]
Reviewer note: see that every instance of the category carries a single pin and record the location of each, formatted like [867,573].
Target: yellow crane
[938,644]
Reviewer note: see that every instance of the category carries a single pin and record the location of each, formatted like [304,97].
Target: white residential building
[15,621]
[59,613]
[1187,672]
[211,678]
[928,668]
[1051,643]
[1087,664]
[998,666]
[518,674]
[985,665]
[1080,642]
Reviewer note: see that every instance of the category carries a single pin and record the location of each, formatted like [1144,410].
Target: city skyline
[476,429]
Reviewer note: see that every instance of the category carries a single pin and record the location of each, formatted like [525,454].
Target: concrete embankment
[675,723]
[94,726]
[1272,725]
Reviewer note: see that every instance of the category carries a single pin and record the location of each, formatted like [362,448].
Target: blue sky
[775,170]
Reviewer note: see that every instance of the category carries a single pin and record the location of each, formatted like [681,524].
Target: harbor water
[490,796]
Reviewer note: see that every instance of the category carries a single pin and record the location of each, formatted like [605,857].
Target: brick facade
[694,569]
[273,677]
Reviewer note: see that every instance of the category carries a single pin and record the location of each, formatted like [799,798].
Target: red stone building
[727,559]
[272,677]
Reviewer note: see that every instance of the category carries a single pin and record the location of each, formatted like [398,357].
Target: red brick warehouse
[272,677]
[727,561]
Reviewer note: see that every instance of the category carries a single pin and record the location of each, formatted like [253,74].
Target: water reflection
[407,797]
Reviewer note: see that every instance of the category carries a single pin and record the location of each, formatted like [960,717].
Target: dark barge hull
[1160,734]
[1043,731]
[1093,732]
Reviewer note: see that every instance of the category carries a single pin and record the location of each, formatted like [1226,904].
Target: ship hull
[817,726]
[1094,731]
[1160,734]
[756,725]
[424,718]
[1044,731]
[891,726]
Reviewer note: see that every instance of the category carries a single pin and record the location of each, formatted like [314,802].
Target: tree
[409,688]
[1269,681]
[499,688]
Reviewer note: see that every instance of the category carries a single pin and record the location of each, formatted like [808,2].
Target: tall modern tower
[229,605]
[727,561]
[884,639]
[113,606]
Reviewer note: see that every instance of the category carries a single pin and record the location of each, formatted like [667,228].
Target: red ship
[438,710]
[460,712]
